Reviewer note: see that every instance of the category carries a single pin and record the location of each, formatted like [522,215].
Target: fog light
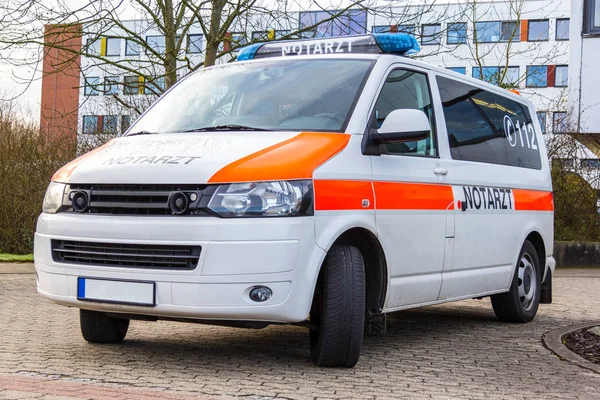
[260,294]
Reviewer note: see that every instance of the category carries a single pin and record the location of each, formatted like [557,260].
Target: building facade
[515,43]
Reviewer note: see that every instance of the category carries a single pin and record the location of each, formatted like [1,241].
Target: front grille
[140,199]
[126,255]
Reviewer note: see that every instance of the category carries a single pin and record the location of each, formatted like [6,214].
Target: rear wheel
[521,302]
[97,327]
[338,309]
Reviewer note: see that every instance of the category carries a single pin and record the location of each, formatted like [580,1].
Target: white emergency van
[322,182]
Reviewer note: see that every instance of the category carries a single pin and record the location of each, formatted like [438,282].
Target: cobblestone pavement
[457,350]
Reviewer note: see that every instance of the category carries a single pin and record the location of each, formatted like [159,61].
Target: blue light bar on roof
[379,43]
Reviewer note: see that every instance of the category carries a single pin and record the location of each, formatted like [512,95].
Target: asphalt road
[457,350]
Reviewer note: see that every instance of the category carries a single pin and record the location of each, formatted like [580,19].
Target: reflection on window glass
[510,31]
[460,70]
[486,32]
[110,124]
[431,34]
[111,85]
[542,119]
[329,23]
[132,48]
[294,94]
[156,86]
[131,85]
[125,122]
[156,43]
[537,30]
[597,14]
[194,44]
[562,29]
[457,33]
[537,76]
[93,46]
[477,122]
[559,122]
[496,75]
[561,76]
[591,163]
[91,86]
[90,124]
[113,46]
[406,90]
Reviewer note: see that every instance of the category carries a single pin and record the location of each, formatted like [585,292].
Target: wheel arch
[376,273]
[538,242]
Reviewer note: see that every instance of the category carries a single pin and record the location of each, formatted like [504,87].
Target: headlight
[54,197]
[269,199]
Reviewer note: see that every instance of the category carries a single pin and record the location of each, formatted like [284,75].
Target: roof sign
[378,43]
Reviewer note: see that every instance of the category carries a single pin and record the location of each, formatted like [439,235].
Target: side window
[486,127]
[405,89]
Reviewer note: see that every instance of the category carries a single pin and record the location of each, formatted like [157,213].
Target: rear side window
[486,127]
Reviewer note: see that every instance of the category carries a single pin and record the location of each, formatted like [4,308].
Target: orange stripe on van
[533,200]
[412,196]
[295,158]
[343,195]
[64,174]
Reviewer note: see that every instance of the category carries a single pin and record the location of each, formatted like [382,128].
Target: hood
[195,158]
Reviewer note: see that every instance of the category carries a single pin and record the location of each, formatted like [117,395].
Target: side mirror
[403,125]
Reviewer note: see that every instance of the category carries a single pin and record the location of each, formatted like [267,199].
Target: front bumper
[237,254]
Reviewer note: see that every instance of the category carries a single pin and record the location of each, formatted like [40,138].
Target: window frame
[588,18]
[556,30]
[136,44]
[448,28]
[476,38]
[544,126]
[96,131]
[431,40]
[111,81]
[107,47]
[527,75]
[529,30]
[554,130]
[92,87]
[381,149]
[105,119]
[516,37]
[123,127]
[189,41]
[158,49]
[556,67]
[125,85]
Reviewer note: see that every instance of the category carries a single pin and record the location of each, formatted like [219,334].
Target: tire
[521,302]
[97,327]
[338,310]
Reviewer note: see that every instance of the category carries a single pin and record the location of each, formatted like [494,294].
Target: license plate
[116,291]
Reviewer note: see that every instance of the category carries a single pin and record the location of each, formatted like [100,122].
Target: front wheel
[521,302]
[338,310]
[97,327]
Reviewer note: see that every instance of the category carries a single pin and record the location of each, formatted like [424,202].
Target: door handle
[439,170]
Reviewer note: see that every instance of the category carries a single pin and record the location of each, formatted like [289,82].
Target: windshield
[313,95]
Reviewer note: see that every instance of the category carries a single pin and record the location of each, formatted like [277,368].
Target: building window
[457,33]
[537,76]
[562,29]
[542,119]
[591,16]
[110,124]
[91,85]
[561,76]
[156,43]
[93,46]
[125,122]
[510,31]
[131,85]
[90,124]
[406,29]
[590,163]
[430,34]
[538,30]
[496,75]
[559,122]
[111,85]
[562,163]
[233,41]
[460,70]
[194,44]
[132,48]
[156,86]
[113,46]
[351,22]
[273,34]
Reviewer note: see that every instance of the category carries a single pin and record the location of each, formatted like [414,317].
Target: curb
[17,268]
[553,341]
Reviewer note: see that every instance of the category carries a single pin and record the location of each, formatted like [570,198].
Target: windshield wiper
[142,133]
[228,127]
